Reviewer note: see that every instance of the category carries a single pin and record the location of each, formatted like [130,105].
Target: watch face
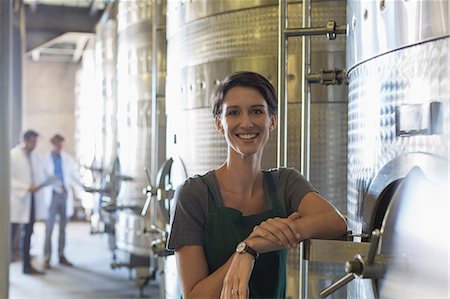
[241,247]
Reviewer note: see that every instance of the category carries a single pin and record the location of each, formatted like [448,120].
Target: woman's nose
[246,121]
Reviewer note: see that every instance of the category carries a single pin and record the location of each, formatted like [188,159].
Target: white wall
[48,105]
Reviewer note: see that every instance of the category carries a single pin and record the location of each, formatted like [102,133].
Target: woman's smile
[247,136]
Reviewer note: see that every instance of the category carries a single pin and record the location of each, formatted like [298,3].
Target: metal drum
[209,40]
[134,94]
[88,108]
[88,125]
[106,60]
[398,121]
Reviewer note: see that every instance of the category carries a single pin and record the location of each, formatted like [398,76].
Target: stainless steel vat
[399,86]
[134,97]
[106,61]
[88,114]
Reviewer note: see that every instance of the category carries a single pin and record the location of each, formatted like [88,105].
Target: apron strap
[272,189]
[210,187]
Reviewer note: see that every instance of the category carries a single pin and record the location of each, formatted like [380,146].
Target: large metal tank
[134,135]
[398,69]
[106,61]
[209,40]
[88,123]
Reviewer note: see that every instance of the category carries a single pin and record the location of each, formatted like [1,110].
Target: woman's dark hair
[245,79]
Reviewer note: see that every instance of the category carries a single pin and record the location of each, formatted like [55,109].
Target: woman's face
[245,120]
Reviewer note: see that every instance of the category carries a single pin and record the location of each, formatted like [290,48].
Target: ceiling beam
[46,22]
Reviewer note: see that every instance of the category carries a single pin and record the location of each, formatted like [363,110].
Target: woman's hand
[235,283]
[280,231]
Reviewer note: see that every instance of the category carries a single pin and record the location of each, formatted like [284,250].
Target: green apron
[226,227]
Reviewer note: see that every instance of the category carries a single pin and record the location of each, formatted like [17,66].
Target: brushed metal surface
[333,251]
[132,233]
[106,59]
[418,74]
[375,89]
[88,115]
[418,211]
[328,148]
[377,27]
[134,78]
[205,50]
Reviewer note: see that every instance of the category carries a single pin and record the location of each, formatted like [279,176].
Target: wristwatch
[244,248]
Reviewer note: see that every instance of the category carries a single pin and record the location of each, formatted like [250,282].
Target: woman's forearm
[210,286]
[325,225]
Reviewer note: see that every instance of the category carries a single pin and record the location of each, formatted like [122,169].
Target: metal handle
[364,268]
[373,246]
[150,191]
[337,285]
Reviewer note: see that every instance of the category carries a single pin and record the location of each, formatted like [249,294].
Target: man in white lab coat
[59,198]
[25,200]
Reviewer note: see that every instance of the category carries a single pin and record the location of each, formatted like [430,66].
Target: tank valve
[159,248]
[369,267]
[329,77]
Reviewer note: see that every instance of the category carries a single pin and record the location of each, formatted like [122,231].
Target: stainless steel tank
[134,137]
[399,87]
[88,116]
[106,61]
[209,40]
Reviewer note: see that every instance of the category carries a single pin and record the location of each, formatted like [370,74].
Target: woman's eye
[257,111]
[233,113]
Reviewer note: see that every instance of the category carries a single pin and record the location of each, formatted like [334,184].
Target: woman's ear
[273,122]
[218,124]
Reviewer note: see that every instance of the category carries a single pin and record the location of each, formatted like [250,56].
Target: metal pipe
[17,42]
[154,141]
[309,31]
[305,135]
[5,98]
[154,134]
[306,93]
[282,87]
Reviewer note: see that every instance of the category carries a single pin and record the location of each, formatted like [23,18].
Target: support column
[5,96]
[18,48]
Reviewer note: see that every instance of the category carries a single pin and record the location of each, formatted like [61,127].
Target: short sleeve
[188,219]
[292,188]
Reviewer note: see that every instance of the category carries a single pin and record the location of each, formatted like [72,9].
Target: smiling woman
[232,226]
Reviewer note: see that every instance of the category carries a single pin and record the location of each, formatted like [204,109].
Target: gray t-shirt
[188,221]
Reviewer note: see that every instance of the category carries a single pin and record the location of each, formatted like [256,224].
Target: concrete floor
[91,277]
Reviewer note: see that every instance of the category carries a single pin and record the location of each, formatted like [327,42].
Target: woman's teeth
[247,136]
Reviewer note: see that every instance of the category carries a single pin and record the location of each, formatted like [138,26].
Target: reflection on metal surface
[134,67]
[88,126]
[332,251]
[399,263]
[393,69]
[415,238]
[375,29]
[368,266]
[106,60]
[204,51]
[373,141]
